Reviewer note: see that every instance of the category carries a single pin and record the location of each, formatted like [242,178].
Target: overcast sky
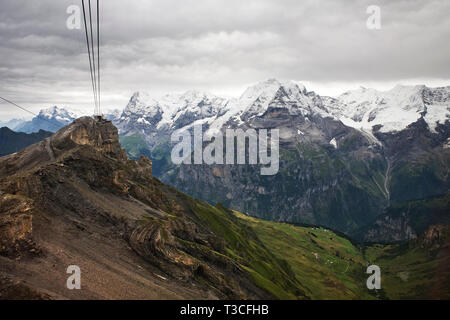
[220,46]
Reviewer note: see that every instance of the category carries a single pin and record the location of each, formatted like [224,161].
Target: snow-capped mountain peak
[141,110]
[170,111]
[271,93]
[13,123]
[142,102]
[363,108]
[394,109]
[50,119]
[193,95]
[59,114]
[267,90]
[262,89]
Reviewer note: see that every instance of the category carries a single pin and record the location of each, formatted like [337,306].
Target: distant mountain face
[54,118]
[51,119]
[418,182]
[11,142]
[343,160]
[12,124]
[407,220]
[112,114]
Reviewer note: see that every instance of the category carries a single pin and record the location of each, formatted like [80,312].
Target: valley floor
[332,267]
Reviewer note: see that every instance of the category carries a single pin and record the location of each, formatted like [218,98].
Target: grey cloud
[220,45]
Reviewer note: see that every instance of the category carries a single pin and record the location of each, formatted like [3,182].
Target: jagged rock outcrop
[98,134]
[434,237]
[15,224]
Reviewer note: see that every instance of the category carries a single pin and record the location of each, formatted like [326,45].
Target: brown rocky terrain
[75,199]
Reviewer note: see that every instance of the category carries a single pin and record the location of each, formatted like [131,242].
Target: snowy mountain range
[363,109]
[392,110]
[13,123]
[50,119]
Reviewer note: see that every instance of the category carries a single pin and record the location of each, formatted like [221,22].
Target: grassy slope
[336,273]
[280,257]
[413,271]
[249,252]
[303,262]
